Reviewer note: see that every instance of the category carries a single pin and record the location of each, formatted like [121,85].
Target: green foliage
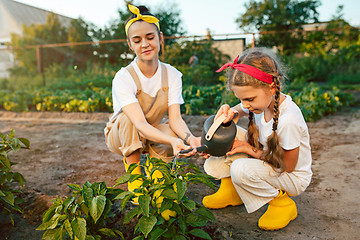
[335,68]
[315,102]
[202,100]
[84,215]
[68,90]
[164,211]
[9,194]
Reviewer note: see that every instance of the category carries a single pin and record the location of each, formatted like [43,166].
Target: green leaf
[166,204]
[107,232]
[5,161]
[119,234]
[25,141]
[2,194]
[195,220]
[125,200]
[203,211]
[88,237]
[67,202]
[179,237]
[49,234]
[51,224]
[146,224]
[49,213]
[133,212]
[12,133]
[144,202]
[181,189]
[189,204]
[157,232]
[74,187]
[169,193]
[97,207]
[122,195]
[8,198]
[197,232]
[15,144]
[19,178]
[78,226]
[123,179]
[68,228]
[59,234]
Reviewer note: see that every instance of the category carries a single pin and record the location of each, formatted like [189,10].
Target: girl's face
[256,100]
[144,40]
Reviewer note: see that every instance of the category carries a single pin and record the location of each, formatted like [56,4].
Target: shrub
[84,215]
[9,194]
[315,102]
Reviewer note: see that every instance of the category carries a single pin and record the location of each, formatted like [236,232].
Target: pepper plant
[9,193]
[164,211]
[84,215]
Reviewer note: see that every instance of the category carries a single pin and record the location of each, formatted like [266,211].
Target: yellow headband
[146,18]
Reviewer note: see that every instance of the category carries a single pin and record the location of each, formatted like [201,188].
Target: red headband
[250,70]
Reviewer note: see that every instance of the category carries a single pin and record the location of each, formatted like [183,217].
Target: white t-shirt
[124,88]
[292,131]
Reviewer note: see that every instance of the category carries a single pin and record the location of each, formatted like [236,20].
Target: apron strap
[135,77]
[164,78]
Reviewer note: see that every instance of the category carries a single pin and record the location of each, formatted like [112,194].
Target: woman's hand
[194,142]
[228,112]
[178,145]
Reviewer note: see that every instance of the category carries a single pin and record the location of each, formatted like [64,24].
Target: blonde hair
[266,61]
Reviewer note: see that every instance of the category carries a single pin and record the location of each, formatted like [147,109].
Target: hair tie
[250,70]
[139,16]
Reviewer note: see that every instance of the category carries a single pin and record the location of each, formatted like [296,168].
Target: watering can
[217,138]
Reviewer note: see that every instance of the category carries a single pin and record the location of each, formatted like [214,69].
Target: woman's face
[144,40]
[256,100]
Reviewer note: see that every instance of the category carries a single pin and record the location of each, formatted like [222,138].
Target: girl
[141,99]
[277,144]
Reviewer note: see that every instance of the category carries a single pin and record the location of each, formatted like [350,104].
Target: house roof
[16,13]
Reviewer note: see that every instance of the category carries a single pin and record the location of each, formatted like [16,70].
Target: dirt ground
[70,148]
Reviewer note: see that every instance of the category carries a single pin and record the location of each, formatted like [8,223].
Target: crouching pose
[278,161]
[141,99]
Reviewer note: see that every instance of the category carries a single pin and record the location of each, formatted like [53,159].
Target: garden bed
[69,148]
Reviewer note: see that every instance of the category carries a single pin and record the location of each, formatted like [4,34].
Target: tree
[283,17]
[81,31]
[337,34]
[38,34]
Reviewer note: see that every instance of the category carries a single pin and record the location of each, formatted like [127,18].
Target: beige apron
[123,138]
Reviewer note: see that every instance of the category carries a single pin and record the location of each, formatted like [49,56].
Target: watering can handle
[214,127]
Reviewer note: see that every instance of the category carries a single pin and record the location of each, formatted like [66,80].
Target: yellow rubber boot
[280,212]
[135,184]
[225,196]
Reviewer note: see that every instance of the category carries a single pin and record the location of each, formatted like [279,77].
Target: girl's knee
[241,171]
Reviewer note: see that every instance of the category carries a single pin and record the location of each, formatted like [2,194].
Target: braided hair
[266,61]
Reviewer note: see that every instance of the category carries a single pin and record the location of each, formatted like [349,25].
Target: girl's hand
[228,112]
[239,147]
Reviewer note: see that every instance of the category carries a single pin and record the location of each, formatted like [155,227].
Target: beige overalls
[123,138]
